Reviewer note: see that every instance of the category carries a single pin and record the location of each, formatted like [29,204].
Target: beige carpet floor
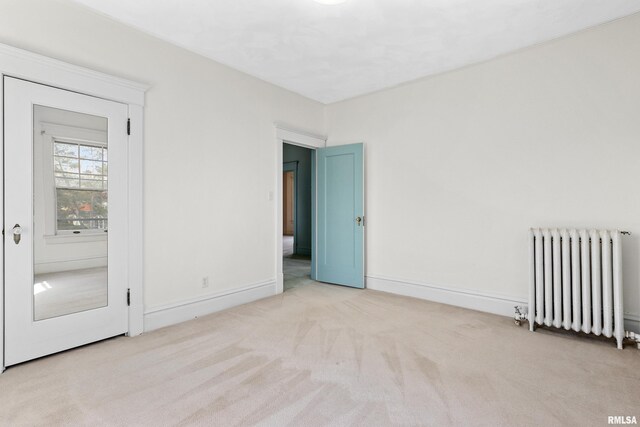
[329,355]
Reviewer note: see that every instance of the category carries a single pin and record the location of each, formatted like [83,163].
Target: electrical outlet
[205,282]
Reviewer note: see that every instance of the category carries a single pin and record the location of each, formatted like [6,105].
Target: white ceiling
[330,53]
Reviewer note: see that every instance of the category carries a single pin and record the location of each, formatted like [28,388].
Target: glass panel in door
[70,212]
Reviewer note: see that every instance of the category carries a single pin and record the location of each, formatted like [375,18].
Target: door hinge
[128,126]
[128,297]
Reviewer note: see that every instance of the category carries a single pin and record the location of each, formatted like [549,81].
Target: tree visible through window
[80,173]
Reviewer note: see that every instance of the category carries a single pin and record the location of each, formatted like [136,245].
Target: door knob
[358,220]
[17,233]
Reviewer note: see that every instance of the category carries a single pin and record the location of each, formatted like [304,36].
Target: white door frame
[287,135]
[41,69]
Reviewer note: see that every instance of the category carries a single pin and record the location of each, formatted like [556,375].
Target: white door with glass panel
[65,222]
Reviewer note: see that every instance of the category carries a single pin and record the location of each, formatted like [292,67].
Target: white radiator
[576,281]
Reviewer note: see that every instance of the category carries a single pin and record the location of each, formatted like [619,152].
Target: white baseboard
[495,304]
[490,303]
[160,317]
[190,309]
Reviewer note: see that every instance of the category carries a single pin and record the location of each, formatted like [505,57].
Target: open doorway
[336,242]
[297,206]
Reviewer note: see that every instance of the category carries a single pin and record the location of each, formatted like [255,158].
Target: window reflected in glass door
[70,212]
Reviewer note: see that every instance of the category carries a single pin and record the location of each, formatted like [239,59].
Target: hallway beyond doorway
[297,272]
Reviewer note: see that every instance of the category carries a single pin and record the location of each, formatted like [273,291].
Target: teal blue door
[340,216]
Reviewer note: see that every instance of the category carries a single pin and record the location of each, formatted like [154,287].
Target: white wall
[460,165]
[201,117]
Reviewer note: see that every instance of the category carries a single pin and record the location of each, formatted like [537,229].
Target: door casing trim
[40,69]
[285,134]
